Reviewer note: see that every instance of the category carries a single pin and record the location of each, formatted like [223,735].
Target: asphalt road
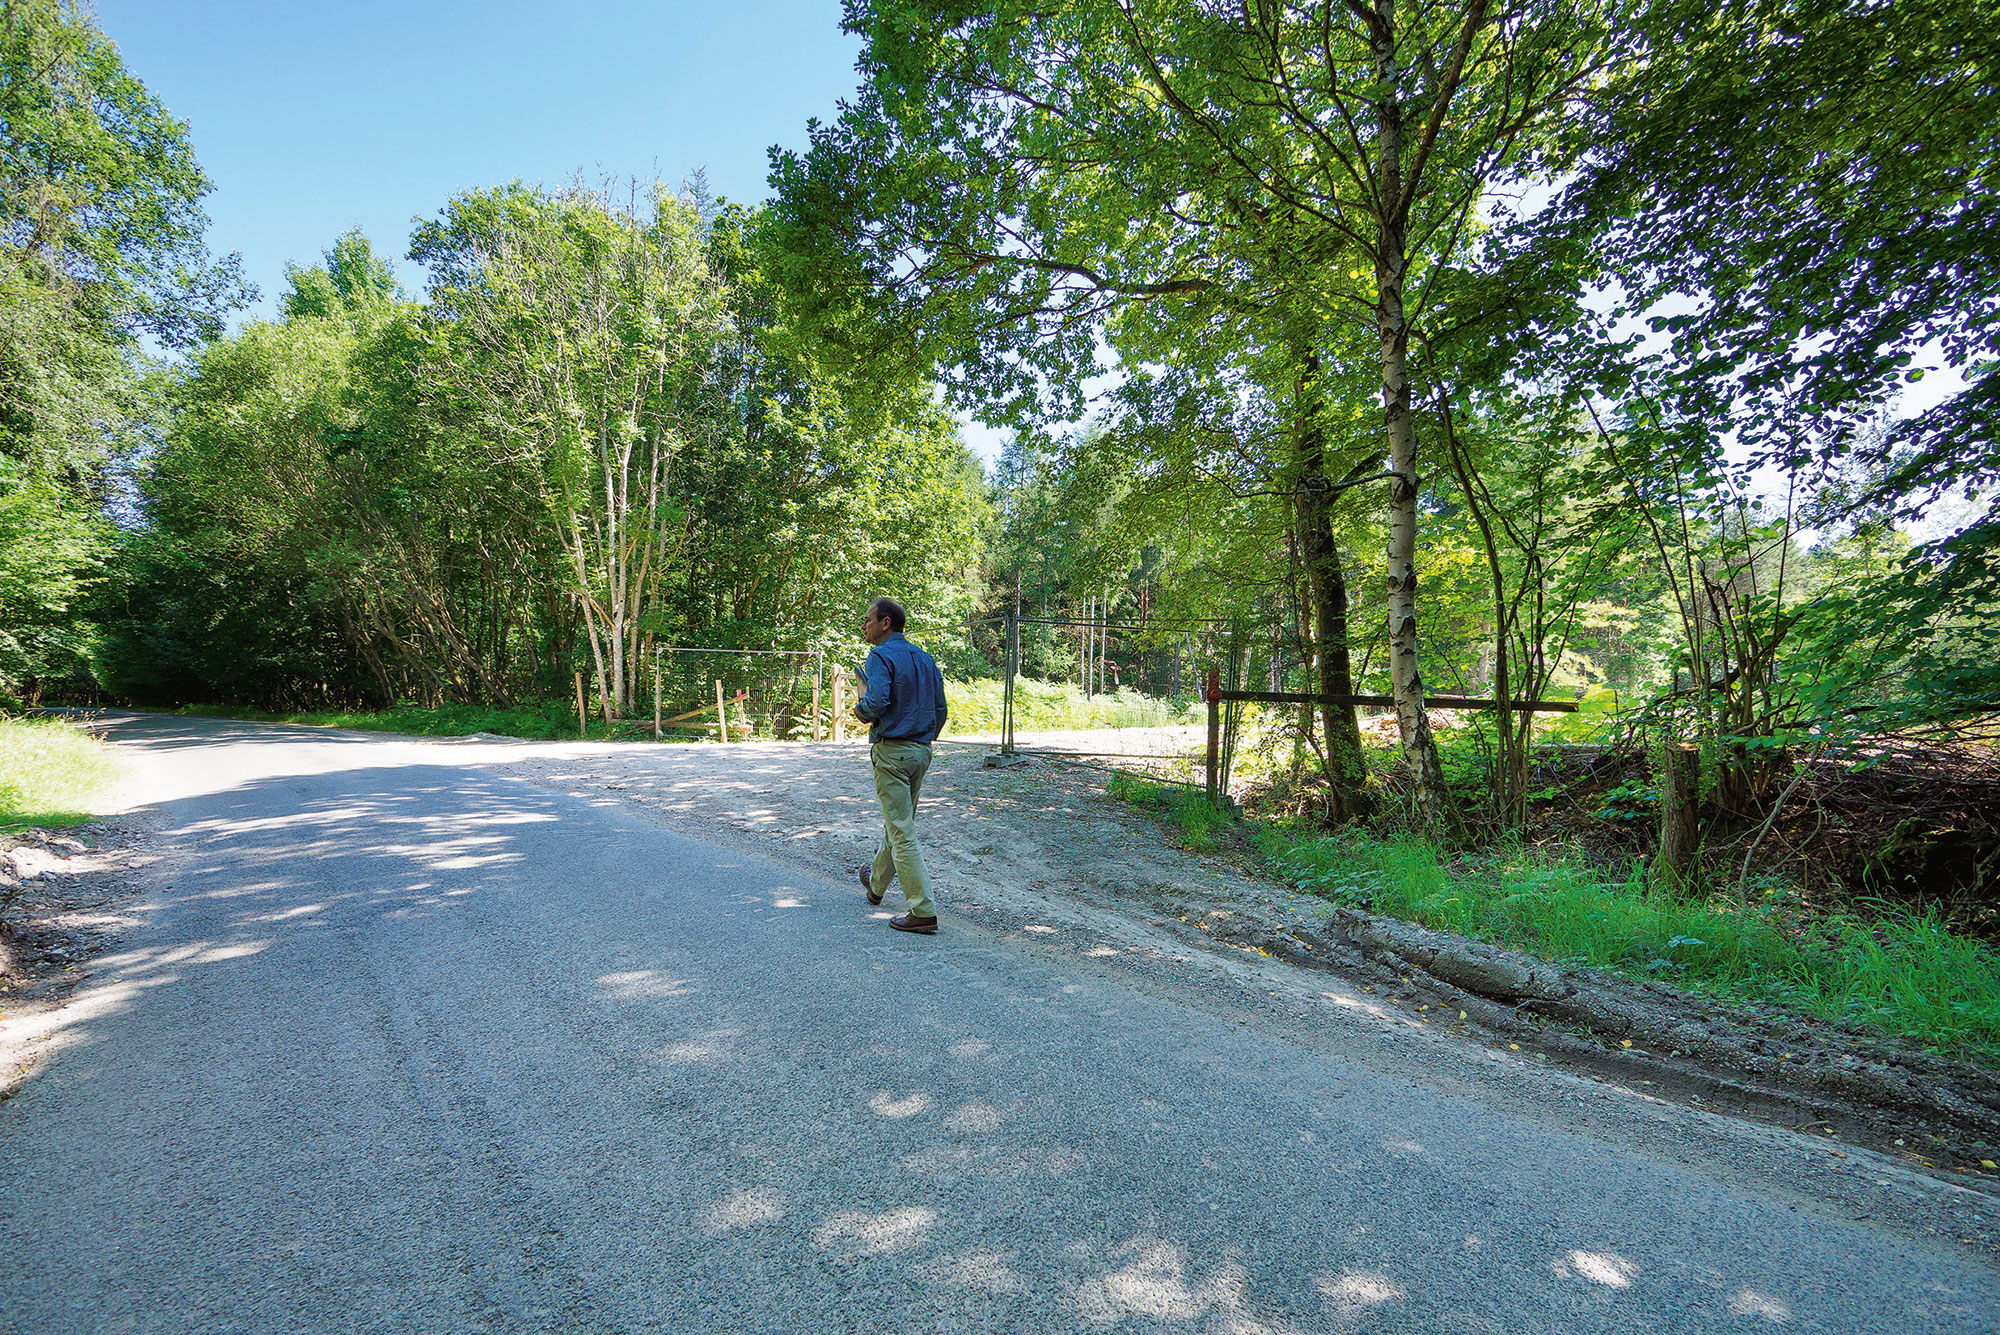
[408,1045]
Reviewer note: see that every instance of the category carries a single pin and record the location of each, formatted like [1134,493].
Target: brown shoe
[905,923]
[868,885]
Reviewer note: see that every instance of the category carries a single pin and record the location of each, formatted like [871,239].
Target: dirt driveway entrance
[1037,851]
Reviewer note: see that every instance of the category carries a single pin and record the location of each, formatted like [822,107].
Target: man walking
[903,703]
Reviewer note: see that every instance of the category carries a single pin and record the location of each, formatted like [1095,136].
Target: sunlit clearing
[875,1234]
[637,984]
[1606,1268]
[758,1205]
[1749,1302]
[984,1270]
[887,1105]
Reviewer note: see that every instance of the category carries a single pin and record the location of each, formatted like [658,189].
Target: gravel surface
[458,1036]
[1040,849]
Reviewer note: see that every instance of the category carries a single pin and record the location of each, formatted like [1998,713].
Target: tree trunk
[1420,752]
[1680,830]
[1510,775]
[1346,770]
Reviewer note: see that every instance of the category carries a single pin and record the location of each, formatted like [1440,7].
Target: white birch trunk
[1391,266]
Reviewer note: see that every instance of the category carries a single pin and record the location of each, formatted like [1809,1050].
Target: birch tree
[578,334]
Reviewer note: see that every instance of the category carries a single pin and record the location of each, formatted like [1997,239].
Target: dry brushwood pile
[1894,824]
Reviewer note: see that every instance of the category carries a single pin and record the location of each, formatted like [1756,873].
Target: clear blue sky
[311,119]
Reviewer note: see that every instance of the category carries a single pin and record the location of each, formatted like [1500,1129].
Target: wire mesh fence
[1181,700]
[1131,694]
[788,694]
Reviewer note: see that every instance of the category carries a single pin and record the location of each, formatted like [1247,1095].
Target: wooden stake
[582,718]
[815,703]
[833,679]
[721,714]
[656,697]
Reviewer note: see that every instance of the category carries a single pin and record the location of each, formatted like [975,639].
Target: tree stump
[1675,867]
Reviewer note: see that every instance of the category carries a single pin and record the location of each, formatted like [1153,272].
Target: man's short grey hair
[888,609]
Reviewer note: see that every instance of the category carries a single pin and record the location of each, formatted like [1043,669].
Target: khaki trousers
[899,774]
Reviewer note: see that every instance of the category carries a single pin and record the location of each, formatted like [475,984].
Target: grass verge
[49,771]
[1186,807]
[536,721]
[1902,974]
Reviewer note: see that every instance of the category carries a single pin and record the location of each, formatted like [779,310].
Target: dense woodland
[1537,348]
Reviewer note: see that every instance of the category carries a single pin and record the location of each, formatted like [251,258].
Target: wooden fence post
[815,702]
[1214,737]
[656,697]
[582,718]
[1680,830]
[721,714]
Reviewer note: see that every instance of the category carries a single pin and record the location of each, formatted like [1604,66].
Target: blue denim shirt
[905,693]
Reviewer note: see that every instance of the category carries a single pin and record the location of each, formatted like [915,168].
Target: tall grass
[1188,808]
[1050,707]
[49,771]
[1906,975]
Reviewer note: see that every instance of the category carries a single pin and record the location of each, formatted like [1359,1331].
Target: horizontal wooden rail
[735,699]
[1430,701]
[1217,697]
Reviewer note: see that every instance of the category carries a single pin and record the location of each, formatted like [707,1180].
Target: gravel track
[482,1036]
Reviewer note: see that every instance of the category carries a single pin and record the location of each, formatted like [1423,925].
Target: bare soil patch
[1038,849]
[65,896]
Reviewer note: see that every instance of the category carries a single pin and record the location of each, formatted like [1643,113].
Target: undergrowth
[1902,973]
[49,771]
